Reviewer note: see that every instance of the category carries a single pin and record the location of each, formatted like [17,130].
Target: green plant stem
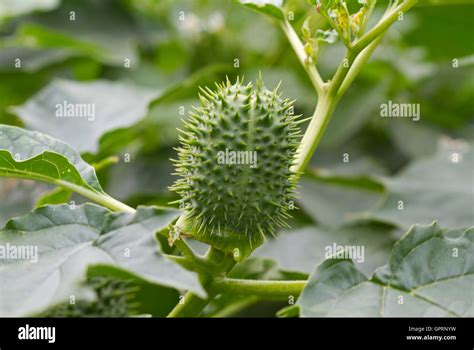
[357,65]
[105,163]
[314,132]
[191,304]
[360,54]
[100,198]
[189,264]
[383,25]
[260,288]
[235,307]
[187,251]
[363,25]
[191,260]
[310,68]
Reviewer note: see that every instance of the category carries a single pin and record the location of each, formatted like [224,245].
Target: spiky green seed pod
[234,164]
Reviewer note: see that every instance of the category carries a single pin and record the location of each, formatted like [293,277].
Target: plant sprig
[213,268]
[329,92]
[359,46]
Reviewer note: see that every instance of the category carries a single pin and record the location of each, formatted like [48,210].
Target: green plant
[230,209]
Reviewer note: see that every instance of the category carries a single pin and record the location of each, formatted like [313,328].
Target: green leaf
[82,112]
[32,155]
[428,275]
[434,188]
[59,195]
[300,250]
[69,240]
[272,8]
[306,29]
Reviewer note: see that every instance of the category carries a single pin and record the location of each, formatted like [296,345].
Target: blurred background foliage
[142,61]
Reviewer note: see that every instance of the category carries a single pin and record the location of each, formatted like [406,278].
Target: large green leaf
[111,106]
[429,274]
[32,155]
[439,188]
[68,240]
[300,250]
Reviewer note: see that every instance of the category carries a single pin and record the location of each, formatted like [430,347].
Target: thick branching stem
[314,132]
[191,305]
